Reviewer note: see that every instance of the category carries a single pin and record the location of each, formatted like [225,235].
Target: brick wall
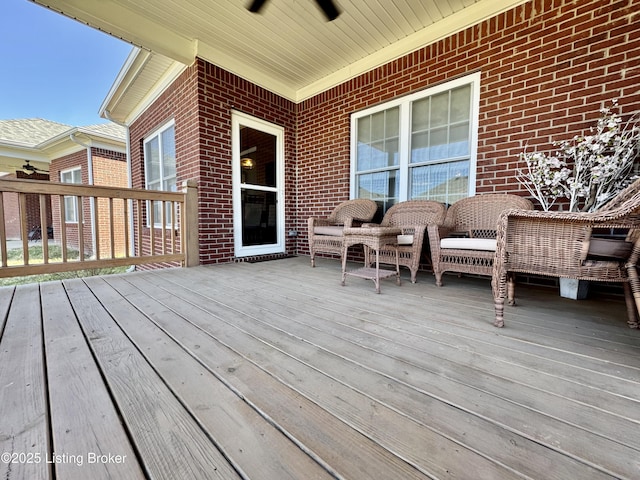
[71,161]
[547,67]
[201,102]
[12,207]
[178,102]
[109,169]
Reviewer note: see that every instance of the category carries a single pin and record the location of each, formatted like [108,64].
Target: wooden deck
[273,371]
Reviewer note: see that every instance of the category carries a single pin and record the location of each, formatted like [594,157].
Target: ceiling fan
[327,6]
[29,169]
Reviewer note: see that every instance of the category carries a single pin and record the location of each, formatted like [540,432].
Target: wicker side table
[374,238]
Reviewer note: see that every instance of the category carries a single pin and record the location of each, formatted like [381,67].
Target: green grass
[15,257]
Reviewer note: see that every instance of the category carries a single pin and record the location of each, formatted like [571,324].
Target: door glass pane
[258,157]
[258,217]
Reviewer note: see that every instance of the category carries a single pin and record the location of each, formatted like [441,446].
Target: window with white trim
[421,146]
[160,165]
[73,175]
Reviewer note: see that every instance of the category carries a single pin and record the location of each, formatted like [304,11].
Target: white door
[258,186]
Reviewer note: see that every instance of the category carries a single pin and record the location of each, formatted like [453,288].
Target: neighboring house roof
[110,129]
[30,132]
[288,48]
[41,141]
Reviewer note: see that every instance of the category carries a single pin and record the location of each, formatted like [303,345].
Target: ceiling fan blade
[256,5]
[329,8]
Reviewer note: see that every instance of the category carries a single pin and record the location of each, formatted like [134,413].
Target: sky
[53,67]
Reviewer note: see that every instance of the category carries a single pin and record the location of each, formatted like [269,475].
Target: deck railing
[113,226]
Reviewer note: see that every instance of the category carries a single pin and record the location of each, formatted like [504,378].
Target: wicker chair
[412,217]
[466,242]
[560,244]
[325,234]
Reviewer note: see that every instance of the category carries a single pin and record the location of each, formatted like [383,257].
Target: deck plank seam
[211,299]
[233,389]
[281,380]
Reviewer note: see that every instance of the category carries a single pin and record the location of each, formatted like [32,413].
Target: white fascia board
[134,62]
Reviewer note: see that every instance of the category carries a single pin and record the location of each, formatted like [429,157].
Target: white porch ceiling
[289,48]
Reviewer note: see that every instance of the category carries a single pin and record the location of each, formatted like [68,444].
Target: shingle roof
[30,132]
[107,129]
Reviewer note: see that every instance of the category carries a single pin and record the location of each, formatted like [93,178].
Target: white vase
[574,289]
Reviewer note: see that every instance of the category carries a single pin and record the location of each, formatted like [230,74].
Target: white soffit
[289,48]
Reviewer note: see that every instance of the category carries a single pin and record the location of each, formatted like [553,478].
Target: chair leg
[438,278]
[633,285]
[499,289]
[511,289]
[632,319]
[313,258]
[499,307]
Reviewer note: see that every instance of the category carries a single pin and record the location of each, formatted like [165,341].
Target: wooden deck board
[24,429]
[274,371]
[406,380]
[281,355]
[78,398]
[167,438]
[322,434]
[225,415]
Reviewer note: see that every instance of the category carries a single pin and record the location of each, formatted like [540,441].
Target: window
[422,146]
[160,165]
[70,203]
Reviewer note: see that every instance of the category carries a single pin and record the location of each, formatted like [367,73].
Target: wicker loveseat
[466,242]
[560,244]
[325,234]
[412,217]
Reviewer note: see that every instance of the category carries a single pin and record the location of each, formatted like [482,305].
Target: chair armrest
[317,221]
[436,233]
[555,241]
[418,232]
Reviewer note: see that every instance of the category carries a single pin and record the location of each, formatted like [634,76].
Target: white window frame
[71,214]
[163,178]
[404,148]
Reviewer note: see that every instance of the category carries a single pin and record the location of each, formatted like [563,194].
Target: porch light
[247,163]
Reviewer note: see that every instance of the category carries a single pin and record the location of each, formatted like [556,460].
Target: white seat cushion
[405,239]
[331,230]
[486,244]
